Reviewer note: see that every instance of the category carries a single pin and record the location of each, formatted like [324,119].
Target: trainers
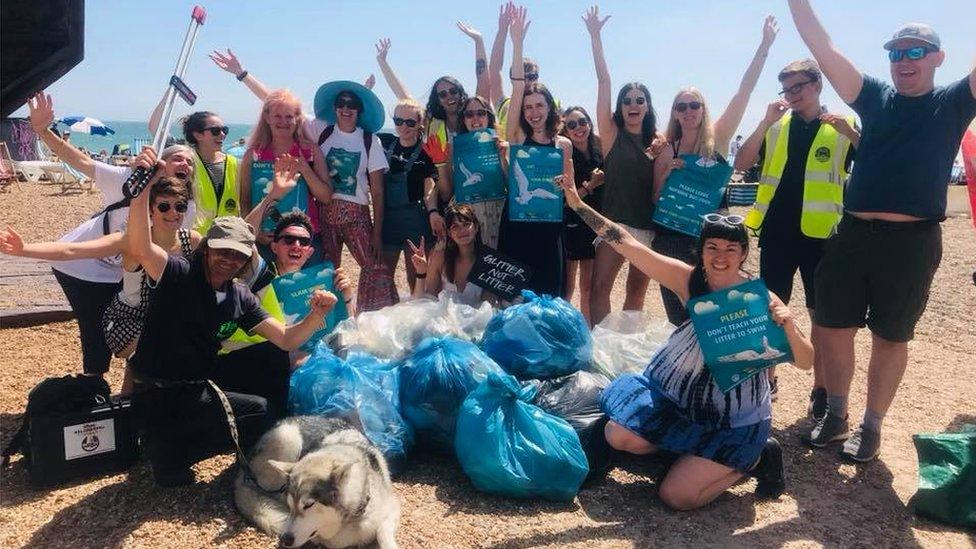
[829,428]
[863,446]
[773,389]
[818,403]
[769,471]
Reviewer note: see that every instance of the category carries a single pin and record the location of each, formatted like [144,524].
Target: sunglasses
[531,76]
[216,130]
[573,124]
[732,220]
[638,100]
[410,122]
[480,113]
[916,53]
[450,91]
[693,105]
[164,207]
[290,240]
[347,103]
[795,88]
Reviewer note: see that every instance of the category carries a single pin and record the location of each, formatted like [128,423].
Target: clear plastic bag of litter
[434,381]
[362,389]
[392,332]
[510,447]
[541,338]
[625,341]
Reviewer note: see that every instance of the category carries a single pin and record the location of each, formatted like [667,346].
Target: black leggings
[88,300]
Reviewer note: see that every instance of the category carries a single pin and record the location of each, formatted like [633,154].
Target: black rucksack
[56,395]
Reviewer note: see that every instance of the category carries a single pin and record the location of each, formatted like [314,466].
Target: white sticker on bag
[89,439]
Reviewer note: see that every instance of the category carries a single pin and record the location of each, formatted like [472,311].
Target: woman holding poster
[676,405]
[534,123]
[691,137]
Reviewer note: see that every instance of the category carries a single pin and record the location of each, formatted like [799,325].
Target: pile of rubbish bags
[625,341]
[514,393]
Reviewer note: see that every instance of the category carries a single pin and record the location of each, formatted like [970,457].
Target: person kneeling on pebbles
[190,303]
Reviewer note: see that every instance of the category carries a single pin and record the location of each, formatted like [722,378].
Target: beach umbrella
[86,124]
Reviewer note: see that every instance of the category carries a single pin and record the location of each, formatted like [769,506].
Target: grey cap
[915,31]
[231,233]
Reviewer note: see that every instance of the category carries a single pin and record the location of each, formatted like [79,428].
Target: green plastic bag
[947,477]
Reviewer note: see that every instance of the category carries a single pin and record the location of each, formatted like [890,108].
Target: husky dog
[319,479]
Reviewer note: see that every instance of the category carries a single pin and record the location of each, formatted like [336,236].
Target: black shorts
[578,240]
[779,259]
[878,274]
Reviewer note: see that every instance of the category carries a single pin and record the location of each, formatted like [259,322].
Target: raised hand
[437,225]
[770,30]
[775,111]
[11,243]
[146,159]
[780,311]
[343,284]
[839,122]
[370,81]
[41,112]
[519,26]
[593,22]
[467,29]
[322,302]
[596,179]
[285,176]
[569,189]
[657,146]
[227,62]
[383,48]
[505,12]
[418,256]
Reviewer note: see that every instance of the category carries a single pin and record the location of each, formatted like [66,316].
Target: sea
[128,132]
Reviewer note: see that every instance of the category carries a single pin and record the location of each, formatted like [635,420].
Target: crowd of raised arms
[195,255]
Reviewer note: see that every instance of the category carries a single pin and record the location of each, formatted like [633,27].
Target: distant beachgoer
[625,134]
[90,284]
[734,148]
[675,405]
[878,269]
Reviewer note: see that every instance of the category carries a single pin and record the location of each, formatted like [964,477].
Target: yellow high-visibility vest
[823,180]
[205,196]
[240,339]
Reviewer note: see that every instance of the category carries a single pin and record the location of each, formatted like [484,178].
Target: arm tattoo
[607,230]
[480,65]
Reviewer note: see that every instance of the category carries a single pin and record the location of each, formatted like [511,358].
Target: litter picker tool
[140,177]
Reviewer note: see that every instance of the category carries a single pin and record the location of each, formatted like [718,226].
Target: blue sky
[131,48]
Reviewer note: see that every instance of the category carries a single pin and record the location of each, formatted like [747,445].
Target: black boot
[769,471]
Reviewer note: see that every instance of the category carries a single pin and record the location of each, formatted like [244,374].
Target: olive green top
[629,176]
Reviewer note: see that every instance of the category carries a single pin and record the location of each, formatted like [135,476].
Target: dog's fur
[337,486]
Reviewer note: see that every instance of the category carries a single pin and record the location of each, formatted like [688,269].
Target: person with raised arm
[691,130]
[676,405]
[893,207]
[806,156]
[536,121]
[191,303]
[626,132]
[90,284]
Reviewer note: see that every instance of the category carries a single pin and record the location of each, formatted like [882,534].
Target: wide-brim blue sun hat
[370,119]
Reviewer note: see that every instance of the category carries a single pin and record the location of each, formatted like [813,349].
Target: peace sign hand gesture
[418,256]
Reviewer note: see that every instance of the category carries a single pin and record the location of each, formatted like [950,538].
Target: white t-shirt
[345,155]
[109,180]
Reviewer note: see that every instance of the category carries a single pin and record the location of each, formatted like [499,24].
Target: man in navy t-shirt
[877,270]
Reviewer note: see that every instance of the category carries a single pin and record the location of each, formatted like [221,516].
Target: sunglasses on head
[639,100]
[290,239]
[410,122]
[916,53]
[732,220]
[347,103]
[795,88]
[216,130]
[475,113]
[573,124]
[693,105]
[164,207]
[450,91]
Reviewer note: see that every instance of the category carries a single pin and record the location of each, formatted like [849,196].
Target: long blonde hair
[705,145]
[261,136]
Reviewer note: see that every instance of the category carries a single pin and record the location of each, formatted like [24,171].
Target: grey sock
[837,405]
[872,420]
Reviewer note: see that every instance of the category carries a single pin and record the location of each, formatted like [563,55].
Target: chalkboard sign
[499,274]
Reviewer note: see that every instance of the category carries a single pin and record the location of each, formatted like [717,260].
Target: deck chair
[68,177]
[8,173]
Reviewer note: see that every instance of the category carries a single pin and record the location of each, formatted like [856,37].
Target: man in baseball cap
[877,270]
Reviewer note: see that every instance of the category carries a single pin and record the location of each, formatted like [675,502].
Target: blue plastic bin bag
[434,381]
[541,338]
[362,389]
[510,447]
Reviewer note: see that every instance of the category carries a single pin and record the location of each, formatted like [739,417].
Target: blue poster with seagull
[532,193]
[293,291]
[477,167]
[343,167]
[737,334]
[692,192]
[262,177]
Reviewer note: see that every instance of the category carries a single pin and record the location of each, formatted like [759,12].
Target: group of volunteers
[192,258]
